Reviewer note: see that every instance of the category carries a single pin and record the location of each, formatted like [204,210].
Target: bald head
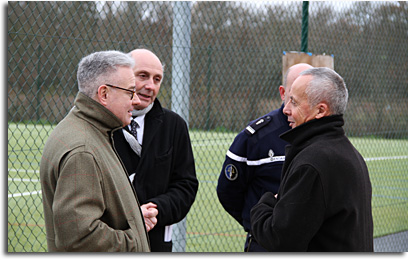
[291,75]
[148,71]
[293,72]
[145,56]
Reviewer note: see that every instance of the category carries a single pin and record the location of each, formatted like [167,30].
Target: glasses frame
[132,91]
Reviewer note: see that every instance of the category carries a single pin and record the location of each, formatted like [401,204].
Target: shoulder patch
[231,172]
[256,125]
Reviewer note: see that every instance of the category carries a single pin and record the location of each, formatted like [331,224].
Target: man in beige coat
[89,202]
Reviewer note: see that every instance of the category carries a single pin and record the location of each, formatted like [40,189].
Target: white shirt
[141,126]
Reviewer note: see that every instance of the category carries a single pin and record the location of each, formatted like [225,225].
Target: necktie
[134,126]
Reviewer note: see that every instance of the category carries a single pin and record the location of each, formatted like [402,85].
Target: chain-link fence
[231,76]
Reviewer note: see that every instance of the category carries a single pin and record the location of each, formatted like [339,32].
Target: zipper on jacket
[130,183]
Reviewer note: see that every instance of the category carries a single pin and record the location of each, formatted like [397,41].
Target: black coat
[324,201]
[165,172]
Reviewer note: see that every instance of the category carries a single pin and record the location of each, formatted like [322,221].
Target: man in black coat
[254,162]
[157,153]
[324,200]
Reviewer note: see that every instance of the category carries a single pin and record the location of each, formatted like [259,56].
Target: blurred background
[223,67]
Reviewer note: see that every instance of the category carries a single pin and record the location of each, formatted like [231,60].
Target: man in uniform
[253,162]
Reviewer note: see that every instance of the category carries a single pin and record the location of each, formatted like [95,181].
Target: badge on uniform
[271,154]
[256,125]
[231,172]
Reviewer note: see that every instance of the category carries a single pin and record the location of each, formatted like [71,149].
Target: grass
[209,227]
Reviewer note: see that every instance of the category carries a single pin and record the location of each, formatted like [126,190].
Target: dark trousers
[251,245]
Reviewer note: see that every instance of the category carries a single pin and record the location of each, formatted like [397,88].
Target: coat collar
[304,135]
[328,125]
[96,114]
[153,122]
[156,110]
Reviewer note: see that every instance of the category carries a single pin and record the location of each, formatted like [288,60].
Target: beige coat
[89,202]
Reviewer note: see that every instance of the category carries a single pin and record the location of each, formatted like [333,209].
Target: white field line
[24,194]
[386,158]
[23,180]
[39,192]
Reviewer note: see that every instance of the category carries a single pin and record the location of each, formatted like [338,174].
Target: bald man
[253,162]
[156,151]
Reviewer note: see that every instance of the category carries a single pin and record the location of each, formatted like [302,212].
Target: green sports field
[209,227]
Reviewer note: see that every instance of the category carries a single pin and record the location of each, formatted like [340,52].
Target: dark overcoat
[324,200]
[165,172]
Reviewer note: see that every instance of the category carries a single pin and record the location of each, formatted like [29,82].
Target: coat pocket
[137,227]
[163,158]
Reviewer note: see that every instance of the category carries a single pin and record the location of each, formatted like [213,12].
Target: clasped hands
[149,212]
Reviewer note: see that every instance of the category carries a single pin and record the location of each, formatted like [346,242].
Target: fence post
[38,84]
[181,58]
[208,86]
[304,27]
[181,88]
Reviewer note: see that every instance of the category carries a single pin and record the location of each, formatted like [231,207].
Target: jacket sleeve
[233,180]
[175,203]
[289,223]
[78,209]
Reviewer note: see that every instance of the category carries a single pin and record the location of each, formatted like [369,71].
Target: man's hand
[149,213]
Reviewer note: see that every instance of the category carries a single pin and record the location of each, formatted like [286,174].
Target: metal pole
[304,27]
[181,88]
[209,97]
[181,58]
[38,83]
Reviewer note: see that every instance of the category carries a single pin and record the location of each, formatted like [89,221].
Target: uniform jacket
[165,172]
[89,202]
[324,201]
[253,165]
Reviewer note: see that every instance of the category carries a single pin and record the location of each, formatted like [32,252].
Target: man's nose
[149,84]
[135,100]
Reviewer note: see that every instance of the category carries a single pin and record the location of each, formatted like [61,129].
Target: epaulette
[256,125]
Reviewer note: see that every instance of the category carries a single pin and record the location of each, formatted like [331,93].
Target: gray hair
[97,68]
[327,85]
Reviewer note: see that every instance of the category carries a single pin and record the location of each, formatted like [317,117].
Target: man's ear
[323,110]
[102,95]
[281,89]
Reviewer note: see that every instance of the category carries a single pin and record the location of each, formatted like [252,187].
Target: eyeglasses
[132,91]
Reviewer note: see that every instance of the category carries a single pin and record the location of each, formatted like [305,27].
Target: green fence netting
[231,77]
